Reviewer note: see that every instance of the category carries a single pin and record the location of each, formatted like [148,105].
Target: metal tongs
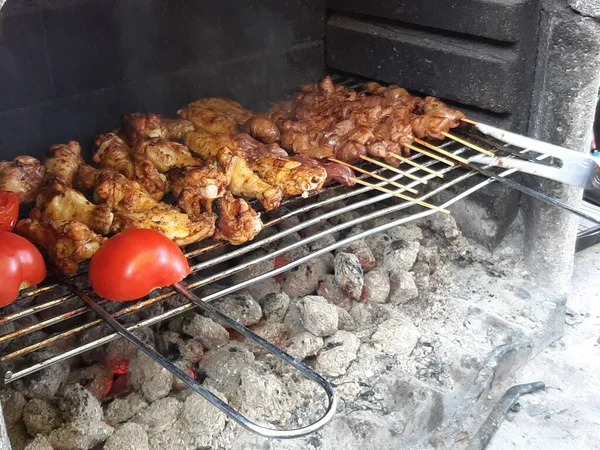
[577,169]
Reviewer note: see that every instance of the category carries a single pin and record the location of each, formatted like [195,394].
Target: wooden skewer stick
[394,169]
[465,120]
[374,175]
[468,144]
[397,194]
[426,153]
[414,164]
[440,150]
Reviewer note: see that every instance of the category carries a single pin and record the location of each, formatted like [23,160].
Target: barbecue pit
[488,307]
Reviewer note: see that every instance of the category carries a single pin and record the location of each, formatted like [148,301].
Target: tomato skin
[21,265]
[9,210]
[131,264]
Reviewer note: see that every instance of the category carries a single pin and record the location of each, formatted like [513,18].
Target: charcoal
[119,353]
[330,290]
[81,435]
[91,335]
[317,315]
[430,255]
[241,307]
[275,333]
[202,420]
[343,218]
[403,288]
[337,354]
[39,443]
[97,379]
[349,274]
[45,383]
[325,241]
[402,257]
[77,403]
[13,403]
[40,417]
[130,436]
[303,280]
[191,350]
[274,306]
[303,345]
[362,251]
[421,272]
[377,286]
[149,377]
[159,415]
[186,366]
[226,361]
[362,314]
[395,338]
[208,332]
[408,232]
[314,229]
[18,436]
[122,409]
[255,269]
[174,437]
[263,288]
[444,225]
[288,223]
[380,245]
[294,253]
[345,320]
[168,342]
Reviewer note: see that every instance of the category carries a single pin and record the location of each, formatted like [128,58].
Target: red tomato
[21,265]
[9,210]
[129,265]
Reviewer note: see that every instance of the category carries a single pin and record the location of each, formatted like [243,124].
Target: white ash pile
[340,312]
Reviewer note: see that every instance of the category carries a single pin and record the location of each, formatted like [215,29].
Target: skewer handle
[196,386]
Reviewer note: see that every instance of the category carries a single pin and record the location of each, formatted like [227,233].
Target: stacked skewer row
[217,157]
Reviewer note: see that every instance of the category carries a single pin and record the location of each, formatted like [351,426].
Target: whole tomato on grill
[21,265]
[133,263]
[9,210]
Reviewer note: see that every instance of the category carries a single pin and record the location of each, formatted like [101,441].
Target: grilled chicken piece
[163,154]
[238,222]
[59,202]
[24,176]
[206,144]
[261,128]
[64,162]
[197,187]
[139,126]
[177,128]
[437,118]
[135,208]
[68,242]
[224,106]
[114,153]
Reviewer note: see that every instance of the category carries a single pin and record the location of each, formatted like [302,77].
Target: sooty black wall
[70,68]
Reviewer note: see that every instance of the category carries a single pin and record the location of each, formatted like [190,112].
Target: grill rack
[352,197]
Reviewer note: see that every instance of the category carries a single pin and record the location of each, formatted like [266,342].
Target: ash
[413,327]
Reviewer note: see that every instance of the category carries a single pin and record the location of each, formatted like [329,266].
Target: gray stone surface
[586,7]
[40,417]
[211,334]
[39,443]
[562,113]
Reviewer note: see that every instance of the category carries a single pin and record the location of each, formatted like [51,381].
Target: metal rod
[196,386]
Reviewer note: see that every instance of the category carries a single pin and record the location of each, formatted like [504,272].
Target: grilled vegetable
[131,264]
[9,210]
[21,266]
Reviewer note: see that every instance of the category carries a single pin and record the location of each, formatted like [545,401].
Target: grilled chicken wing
[138,126]
[197,187]
[238,222]
[64,162]
[206,144]
[24,176]
[177,128]
[195,111]
[209,120]
[135,208]
[163,154]
[68,242]
[59,202]
[114,153]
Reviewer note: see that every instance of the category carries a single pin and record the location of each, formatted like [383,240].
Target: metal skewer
[196,386]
